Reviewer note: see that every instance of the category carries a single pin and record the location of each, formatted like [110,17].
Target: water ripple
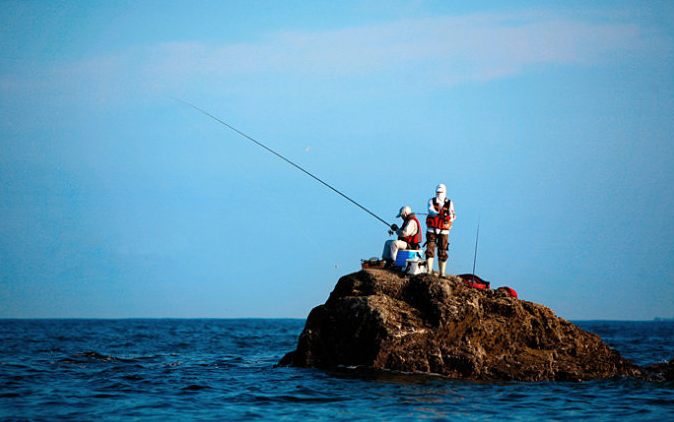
[212,370]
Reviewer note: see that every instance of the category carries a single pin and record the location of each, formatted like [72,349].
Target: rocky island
[383,319]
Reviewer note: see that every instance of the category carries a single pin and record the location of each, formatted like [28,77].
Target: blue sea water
[223,370]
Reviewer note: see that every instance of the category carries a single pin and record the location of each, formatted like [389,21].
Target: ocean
[224,370]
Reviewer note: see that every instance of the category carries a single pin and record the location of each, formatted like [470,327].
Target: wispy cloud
[440,52]
[484,45]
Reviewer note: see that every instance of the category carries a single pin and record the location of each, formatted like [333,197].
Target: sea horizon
[655,319]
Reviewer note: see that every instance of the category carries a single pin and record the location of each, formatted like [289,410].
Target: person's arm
[409,229]
[431,209]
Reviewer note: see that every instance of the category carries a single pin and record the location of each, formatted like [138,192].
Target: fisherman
[409,236]
[439,221]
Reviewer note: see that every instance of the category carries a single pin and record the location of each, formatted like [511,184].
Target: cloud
[439,52]
[466,47]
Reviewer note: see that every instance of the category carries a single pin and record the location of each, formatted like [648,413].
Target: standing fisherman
[440,217]
[409,236]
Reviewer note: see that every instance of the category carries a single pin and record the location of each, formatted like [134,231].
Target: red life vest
[440,221]
[415,239]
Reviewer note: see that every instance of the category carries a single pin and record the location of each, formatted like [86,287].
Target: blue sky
[550,122]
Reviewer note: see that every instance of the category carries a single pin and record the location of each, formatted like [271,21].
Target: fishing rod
[282,158]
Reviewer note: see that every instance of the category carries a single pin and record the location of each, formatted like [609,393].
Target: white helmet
[404,212]
[441,188]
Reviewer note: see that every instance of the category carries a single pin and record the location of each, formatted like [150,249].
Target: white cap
[441,188]
[404,212]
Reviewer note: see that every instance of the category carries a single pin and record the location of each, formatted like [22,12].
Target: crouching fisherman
[409,236]
[440,217]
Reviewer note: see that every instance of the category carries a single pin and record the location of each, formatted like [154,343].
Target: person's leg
[443,245]
[430,250]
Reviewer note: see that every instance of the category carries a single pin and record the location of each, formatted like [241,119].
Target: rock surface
[381,319]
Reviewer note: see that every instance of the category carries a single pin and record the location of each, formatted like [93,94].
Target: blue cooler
[403,256]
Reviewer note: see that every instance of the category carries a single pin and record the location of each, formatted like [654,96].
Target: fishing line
[282,158]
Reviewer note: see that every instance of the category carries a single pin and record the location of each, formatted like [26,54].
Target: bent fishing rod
[260,144]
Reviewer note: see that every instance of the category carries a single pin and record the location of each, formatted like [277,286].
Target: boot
[429,264]
[442,265]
